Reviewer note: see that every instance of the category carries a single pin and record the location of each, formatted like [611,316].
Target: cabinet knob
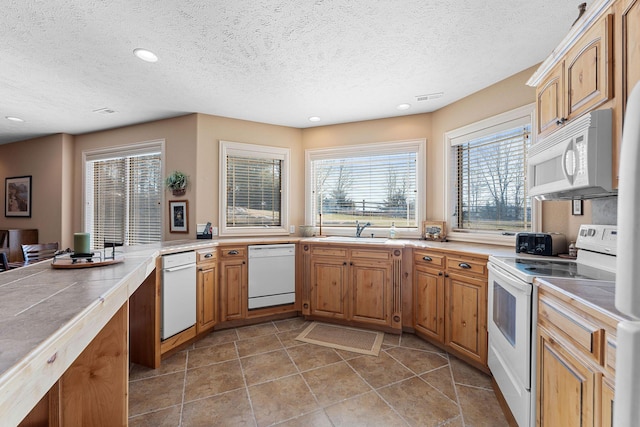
[427,258]
[344,263]
[464,265]
[561,121]
[440,273]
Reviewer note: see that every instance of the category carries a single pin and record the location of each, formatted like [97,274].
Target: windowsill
[377,232]
[479,237]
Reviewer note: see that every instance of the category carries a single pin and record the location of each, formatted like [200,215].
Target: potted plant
[177,183]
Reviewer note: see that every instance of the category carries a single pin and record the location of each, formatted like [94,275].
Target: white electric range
[512,308]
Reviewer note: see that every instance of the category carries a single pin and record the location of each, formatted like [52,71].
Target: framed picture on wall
[178,216]
[17,196]
[576,207]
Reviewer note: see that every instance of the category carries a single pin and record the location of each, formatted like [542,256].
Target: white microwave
[575,161]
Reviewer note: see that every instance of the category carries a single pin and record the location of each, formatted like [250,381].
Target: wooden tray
[68,262]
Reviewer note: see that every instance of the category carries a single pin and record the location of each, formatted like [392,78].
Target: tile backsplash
[605,211]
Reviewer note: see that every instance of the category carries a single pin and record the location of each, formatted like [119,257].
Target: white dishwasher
[178,293]
[272,275]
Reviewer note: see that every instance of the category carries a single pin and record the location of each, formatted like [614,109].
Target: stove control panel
[598,238]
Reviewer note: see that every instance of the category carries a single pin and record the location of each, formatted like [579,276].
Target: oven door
[509,325]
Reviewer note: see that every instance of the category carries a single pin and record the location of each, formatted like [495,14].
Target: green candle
[81,243]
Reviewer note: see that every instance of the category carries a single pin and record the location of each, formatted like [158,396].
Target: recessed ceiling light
[403,106]
[14,119]
[314,119]
[145,55]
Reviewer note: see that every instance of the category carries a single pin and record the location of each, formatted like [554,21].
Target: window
[488,188]
[378,183]
[123,195]
[254,189]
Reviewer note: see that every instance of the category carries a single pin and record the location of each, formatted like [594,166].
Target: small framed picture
[576,207]
[17,196]
[178,216]
[434,230]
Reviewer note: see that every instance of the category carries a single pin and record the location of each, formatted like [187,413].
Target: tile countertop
[597,295]
[48,316]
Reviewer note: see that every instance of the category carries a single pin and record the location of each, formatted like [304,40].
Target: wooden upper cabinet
[589,69]
[630,40]
[580,82]
[550,101]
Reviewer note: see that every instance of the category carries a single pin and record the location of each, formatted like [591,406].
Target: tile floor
[261,376]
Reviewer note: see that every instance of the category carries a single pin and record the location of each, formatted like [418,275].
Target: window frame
[113,152]
[242,149]
[488,126]
[417,145]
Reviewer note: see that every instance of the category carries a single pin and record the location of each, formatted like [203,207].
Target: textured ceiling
[271,61]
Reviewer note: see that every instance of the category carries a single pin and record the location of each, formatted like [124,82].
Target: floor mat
[343,338]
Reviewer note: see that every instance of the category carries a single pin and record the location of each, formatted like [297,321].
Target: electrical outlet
[292,229]
[214,231]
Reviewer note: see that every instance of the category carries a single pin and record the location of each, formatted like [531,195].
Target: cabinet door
[466,303]
[371,292]
[550,101]
[630,47]
[565,386]
[207,297]
[589,69]
[233,294]
[429,302]
[606,411]
[329,287]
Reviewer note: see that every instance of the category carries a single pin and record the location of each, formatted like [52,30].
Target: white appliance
[512,311]
[627,407]
[272,275]
[574,161]
[178,293]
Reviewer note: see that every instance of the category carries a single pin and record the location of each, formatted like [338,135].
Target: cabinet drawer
[581,332]
[467,266]
[233,252]
[206,255]
[369,254]
[428,259]
[329,251]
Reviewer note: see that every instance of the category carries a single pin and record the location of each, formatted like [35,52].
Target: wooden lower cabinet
[466,305]
[352,284]
[93,391]
[450,302]
[575,361]
[566,386]
[233,283]
[207,290]
[429,302]
[329,287]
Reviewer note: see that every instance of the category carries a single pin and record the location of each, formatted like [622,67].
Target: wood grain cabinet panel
[550,101]
[429,302]
[630,40]
[371,287]
[566,386]
[466,303]
[233,286]
[329,288]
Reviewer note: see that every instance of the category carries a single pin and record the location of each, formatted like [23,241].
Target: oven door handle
[508,280]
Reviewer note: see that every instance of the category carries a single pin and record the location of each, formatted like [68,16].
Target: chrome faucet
[360,228]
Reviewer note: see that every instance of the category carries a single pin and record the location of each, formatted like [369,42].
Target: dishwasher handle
[178,268]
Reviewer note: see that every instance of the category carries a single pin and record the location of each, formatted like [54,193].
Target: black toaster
[548,244]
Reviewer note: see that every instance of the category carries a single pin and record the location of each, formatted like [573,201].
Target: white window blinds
[374,183]
[123,197]
[253,191]
[490,189]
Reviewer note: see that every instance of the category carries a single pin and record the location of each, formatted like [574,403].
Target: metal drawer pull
[209,255]
[464,265]
[234,252]
[427,258]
